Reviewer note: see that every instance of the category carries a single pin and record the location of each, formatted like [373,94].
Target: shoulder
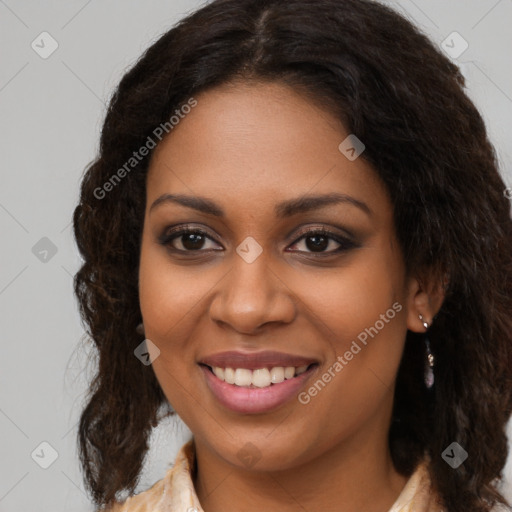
[174,492]
[418,495]
[501,508]
[143,502]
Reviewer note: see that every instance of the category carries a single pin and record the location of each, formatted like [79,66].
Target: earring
[140,329]
[429,363]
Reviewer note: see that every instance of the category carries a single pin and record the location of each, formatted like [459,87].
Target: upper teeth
[260,378]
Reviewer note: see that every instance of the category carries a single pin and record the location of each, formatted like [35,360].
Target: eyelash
[345,243]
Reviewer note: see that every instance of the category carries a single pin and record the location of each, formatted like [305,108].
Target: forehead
[257,144]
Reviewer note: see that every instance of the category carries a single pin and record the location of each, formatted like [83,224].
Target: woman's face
[253,168]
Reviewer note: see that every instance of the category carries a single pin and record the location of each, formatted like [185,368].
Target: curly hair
[393,89]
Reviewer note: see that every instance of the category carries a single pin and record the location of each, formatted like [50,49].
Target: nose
[252,295]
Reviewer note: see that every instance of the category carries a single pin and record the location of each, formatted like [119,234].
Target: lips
[253,361]
[259,382]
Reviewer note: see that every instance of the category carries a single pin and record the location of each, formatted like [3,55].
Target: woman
[296,236]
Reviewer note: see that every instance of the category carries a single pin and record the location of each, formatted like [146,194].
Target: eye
[319,240]
[187,240]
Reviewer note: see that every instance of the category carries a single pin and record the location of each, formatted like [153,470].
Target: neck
[355,474]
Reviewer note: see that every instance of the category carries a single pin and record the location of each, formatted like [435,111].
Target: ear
[425,297]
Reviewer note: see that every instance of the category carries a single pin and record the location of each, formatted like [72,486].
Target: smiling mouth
[259,377]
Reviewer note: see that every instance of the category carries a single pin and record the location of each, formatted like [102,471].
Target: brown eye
[187,240]
[192,241]
[318,241]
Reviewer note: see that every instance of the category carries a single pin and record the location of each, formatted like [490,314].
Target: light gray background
[51,111]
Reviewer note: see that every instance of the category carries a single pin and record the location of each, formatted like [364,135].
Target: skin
[248,147]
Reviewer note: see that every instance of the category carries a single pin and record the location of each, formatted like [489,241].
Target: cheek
[346,300]
[168,294]
[360,309]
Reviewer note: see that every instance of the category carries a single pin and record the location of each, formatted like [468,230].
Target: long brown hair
[405,100]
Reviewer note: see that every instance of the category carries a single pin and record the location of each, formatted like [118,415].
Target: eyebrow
[284,209]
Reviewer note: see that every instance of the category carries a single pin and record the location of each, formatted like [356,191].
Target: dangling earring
[429,363]
[140,329]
